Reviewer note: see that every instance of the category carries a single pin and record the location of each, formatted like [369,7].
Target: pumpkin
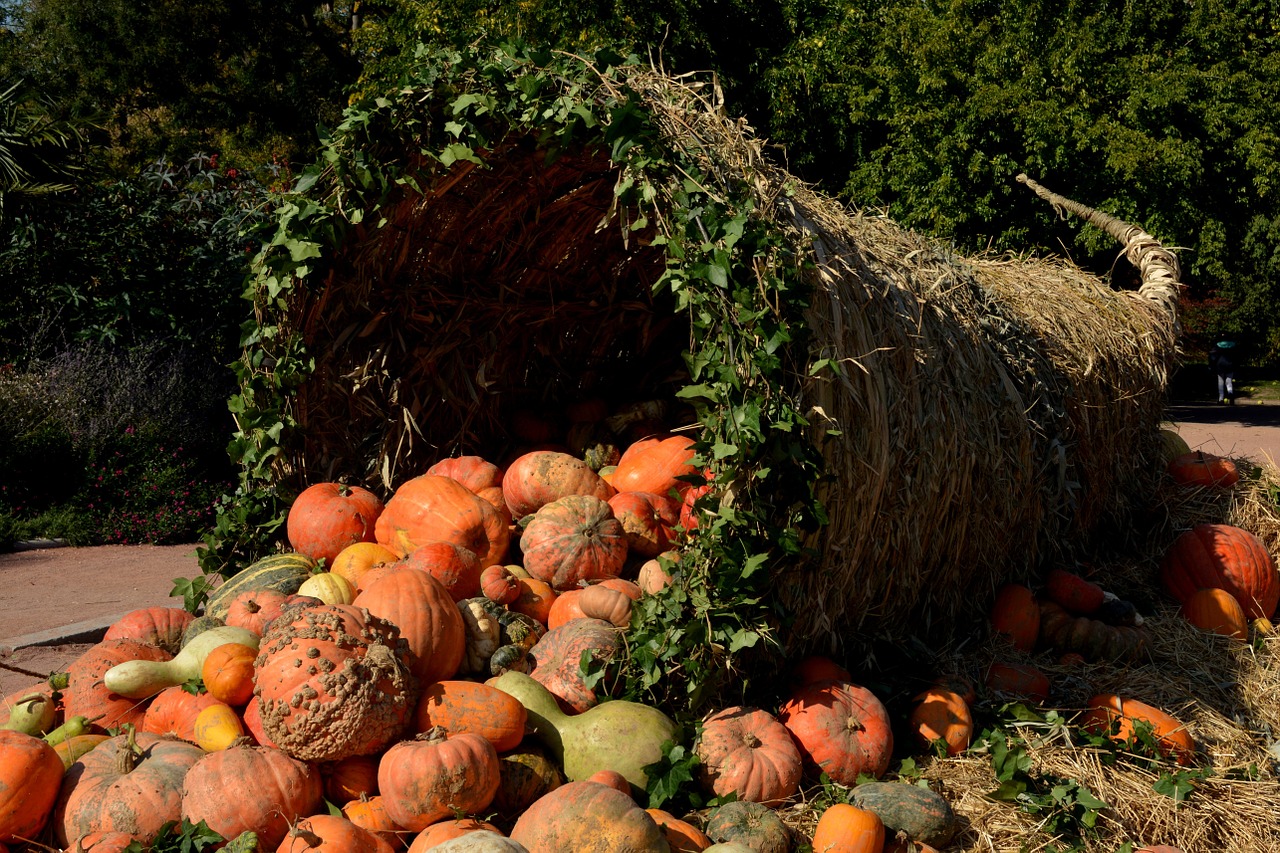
[920,813]
[428,620]
[499,585]
[653,576]
[1198,468]
[1221,556]
[370,813]
[436,775]
[326,833]
[1217,611]
[466,706]
[218,727]
[655,465]
[251,788]
[959,683]
[350,779]
[103,842]
[30,776]
[648,521]
[328,517]
[524,775]
[131,783]
[159,626]
[815,668]
[574,539]
[473,472]
[1073,592]
[748,753]
[70,749]
[227,673]
[588,816]
[354,560]
[255,609]
[1016,615]
[173,711]
[253,723]
[1111,715]
[755,825]
[543,476]
[613,779]
[282,572]
[842,730]
[87,696]
[1172,445]
[445,830]
[606,603]
[1021,681]
[566,607]
[557,659]
[1092,638]
[457,568]
[331,682]
[431,508]
[329,588]
[682,836]
[843,828]
[535,600]
[942,715]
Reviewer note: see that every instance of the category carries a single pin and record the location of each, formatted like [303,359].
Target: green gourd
[614,735]
[32,715]
[138,679]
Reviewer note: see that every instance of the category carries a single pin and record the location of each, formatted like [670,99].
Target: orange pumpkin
[538,478]
[445,830]
[574,539]
[648,521]
[682,836]
[587,816]
[602,602]
[86,696]
[1221,556]
[251,787]
[613,779]
[428,619]
[1019,680]
[437,509]
[1016,615]
[842,730]
[942,715]
[1107,711]
[499,585]
[746,752]
[354,560]
[1217,611]
[255,609]
[535,600]
[654,464]
[433,776]
[1198,468]
[325,833]
[843,828]
[566,607]
[1073,592]
[173,711]
[218,727]
[457,569]
[228,673]
[466,706]
[350,779]
[159,626]
[30,776]
[369,813]
[816,668]
[328,517]
[474,472]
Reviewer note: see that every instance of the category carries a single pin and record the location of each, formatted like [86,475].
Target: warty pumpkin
[327,517]
[1222,556]
[842,730]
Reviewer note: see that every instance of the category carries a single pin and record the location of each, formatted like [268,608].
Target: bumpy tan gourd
[331,682]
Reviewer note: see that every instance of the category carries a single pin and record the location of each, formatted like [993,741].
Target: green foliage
[672,776]
[185,837]
[35,149]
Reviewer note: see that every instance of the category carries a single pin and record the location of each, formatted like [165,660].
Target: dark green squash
[283,572]
[753,824]
[921,813]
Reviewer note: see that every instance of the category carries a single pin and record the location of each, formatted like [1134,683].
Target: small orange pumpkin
[848,829]
[1204,469]
[942,715]
[228,673]
[682,836]
[1107,710]
[1016,615]
[1217,611]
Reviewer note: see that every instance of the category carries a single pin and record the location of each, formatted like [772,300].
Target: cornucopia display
[637,497]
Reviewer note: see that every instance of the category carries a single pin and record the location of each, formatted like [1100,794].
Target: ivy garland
[727,265]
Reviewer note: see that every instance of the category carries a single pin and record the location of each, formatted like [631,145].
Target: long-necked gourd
[138,679]
[614,735]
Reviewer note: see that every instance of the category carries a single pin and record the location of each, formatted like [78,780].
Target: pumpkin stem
[750,740]
[308,837]
[127,758]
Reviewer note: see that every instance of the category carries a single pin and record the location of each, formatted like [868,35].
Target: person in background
[1222,364]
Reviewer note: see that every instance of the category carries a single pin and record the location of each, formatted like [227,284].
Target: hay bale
[992,412]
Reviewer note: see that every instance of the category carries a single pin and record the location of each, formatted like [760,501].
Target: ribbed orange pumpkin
[748,753]
[350,779]
[588,816]
[848,829]
[130,783]
[438,509]
[325,833]
[29,778]
[647,519]
[536,479]
[498,585]
[474,472]
[102,842]
[86,696]
[1217,611]
[1198,468]
[255,609]
[1016,615]
[428,619]
[332,681]
[1107,709]
[251,787]
[173,711]
[433,776]
[682,836]
[654,464]
[457,569]
[467,706]
[228,671]
[599,601]
[574,539]
[842,730]
[370,813]
[1220,556]
[942,715]
[159,626]
[328,517]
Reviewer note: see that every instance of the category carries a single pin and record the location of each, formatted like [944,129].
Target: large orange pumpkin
[467,706]
[87,696]
[328,517]
[1220,556]
[431,508]
[654,464]
[428,619]
[159,626]
[538,478]
[842,730]
[648,520]
[1107,710]
[30,774]
[436,775]
[251,787]
[748,753]
[588,816]
[574,539]
[457,568]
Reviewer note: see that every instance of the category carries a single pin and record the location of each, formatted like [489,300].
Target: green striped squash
[284,572]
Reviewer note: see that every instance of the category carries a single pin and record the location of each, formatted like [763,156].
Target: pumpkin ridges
[426,617]
[1217,611]
[431,508]
[747,752]
[574,539]
[158,626]
[842,729]
[430,777]
[1224,557]
[327,517]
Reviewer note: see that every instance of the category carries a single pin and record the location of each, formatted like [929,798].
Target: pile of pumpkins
[413,676]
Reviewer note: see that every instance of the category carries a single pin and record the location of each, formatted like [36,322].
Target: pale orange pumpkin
[843,828]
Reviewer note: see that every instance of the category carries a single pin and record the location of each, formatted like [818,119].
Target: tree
[36,151]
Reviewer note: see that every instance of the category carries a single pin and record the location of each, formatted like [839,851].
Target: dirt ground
[65,593]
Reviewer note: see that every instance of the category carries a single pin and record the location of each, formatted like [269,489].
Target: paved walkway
[1245,429]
